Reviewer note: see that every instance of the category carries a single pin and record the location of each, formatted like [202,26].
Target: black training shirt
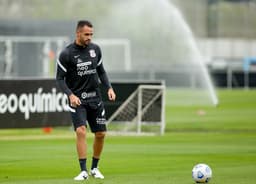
[79,69]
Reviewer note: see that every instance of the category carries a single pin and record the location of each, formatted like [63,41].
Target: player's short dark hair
[82,23]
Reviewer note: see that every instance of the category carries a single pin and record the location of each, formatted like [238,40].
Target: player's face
[84,35]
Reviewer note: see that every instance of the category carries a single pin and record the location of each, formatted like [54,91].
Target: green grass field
[223,137]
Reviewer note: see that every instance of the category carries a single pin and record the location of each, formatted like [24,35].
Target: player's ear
[78,33]
[78,30]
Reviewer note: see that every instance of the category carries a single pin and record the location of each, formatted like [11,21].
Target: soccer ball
[201,173]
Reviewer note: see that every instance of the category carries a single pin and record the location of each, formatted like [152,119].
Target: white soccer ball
[201,173]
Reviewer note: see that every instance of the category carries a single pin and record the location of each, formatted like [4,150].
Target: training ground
[224,137]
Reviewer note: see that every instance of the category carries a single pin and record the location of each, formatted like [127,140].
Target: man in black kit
[78,69]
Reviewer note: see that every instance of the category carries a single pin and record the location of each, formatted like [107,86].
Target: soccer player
[79,69]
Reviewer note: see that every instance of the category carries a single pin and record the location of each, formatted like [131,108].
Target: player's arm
[104,80]
[60,80]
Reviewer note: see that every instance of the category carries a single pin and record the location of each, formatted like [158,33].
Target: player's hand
[74,100]
[111,94]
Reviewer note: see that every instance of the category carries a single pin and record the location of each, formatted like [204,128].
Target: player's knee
[81,131]
[100,135]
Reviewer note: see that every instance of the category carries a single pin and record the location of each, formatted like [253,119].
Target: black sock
[82,163]
[94,162]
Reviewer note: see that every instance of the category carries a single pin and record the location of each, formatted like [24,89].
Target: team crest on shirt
[92,53]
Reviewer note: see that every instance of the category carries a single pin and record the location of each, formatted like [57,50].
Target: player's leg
[96,119]
[79,122]
[81,146]
[97,150]
[98,144]
[97,147]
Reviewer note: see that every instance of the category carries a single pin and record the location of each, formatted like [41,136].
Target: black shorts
[93,113]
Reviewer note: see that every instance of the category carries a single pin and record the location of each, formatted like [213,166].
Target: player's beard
[85,42]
